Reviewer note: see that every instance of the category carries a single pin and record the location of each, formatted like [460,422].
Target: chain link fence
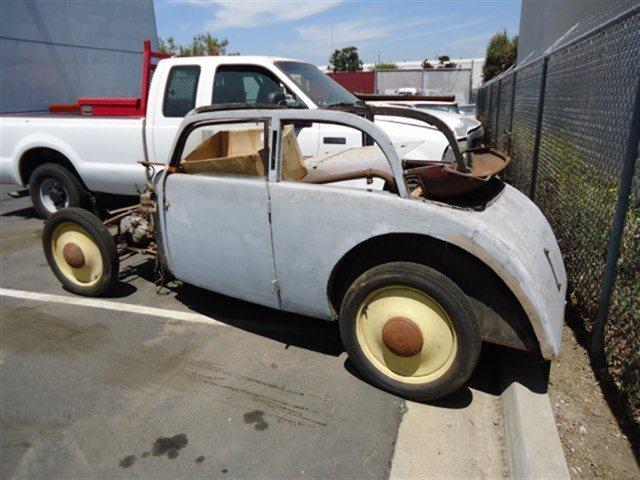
[570,120]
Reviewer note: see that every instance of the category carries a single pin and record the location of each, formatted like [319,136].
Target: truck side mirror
[277,98]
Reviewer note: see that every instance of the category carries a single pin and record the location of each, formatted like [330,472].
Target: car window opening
[364,167]
[226,149]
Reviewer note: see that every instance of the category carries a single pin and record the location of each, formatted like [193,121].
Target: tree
[345,60]
[502,53]
[168,46]
[385,66]
[202,44]
[444,61]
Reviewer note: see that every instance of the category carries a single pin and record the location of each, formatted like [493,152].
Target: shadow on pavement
[287,328]
[497,368]
[27,212]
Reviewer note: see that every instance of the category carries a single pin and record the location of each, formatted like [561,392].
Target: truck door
[334,138]
[215,223]
[252,84]
[178,98]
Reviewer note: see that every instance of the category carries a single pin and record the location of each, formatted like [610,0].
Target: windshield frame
[350,98]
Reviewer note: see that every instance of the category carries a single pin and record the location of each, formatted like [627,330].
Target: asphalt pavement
[205,386]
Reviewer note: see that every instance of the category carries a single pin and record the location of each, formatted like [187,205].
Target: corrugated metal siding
[359,82]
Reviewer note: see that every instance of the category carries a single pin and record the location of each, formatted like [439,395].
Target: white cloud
[256,14]
[470,40]
[362,31]
[344,32]
[449,28]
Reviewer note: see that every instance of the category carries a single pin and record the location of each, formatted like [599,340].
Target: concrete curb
[533,448]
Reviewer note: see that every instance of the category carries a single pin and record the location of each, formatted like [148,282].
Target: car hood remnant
[437,180]
[442,181]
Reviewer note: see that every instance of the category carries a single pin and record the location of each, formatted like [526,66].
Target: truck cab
[94,146]
[193,82]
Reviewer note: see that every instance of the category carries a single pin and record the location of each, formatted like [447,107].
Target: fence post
[513,99]
[497,130]
[489,114]
[471,83]
[617,229]
[536,143]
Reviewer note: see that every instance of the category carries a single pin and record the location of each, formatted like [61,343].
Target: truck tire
[410,330]
[52,187]
[81,252]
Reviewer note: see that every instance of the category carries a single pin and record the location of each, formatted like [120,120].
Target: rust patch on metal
[402,336]
[73,255]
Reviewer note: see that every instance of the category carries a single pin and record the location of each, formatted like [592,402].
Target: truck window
[243,84]
[180,92]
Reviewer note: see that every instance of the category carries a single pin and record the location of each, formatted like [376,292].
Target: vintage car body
[286,232]
[418,268]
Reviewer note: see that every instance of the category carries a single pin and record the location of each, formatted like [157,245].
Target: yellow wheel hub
[406,334]
[76,254]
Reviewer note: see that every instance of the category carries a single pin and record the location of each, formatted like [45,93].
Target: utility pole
[332,38]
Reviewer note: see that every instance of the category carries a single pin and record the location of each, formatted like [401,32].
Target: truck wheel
[81,252]
[52,188]
[410,330]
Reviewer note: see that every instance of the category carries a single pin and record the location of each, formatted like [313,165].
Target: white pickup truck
[66,157]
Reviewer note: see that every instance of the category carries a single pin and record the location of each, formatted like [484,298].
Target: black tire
[72,189]
[441,289]
[100,237]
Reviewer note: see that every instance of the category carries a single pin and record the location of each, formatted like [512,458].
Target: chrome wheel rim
[53,195]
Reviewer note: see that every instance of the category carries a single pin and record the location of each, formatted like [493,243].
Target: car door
[215,220]
[315,224]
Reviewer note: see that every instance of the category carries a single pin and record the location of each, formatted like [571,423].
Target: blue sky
[399,30]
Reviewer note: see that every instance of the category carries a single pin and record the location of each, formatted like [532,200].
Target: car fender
[515,240]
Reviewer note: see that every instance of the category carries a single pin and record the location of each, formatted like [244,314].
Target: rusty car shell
[276,243]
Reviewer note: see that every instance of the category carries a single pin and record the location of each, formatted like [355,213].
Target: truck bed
[103,150]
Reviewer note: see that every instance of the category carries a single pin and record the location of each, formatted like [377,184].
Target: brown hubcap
[402,336]
[73,255]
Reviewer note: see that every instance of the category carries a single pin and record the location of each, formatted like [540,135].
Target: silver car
[418,261]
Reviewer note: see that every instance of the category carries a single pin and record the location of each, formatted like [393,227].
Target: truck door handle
[334,140]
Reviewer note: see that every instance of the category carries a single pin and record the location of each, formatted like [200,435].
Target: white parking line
[109,305]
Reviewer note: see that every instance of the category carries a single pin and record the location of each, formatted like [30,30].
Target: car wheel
[52,187]
[81,252]
[410,330]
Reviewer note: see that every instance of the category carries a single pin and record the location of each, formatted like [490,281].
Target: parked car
[433,105]
[468,110]
[406,91]
[417,269]
[468,130]
[95,145]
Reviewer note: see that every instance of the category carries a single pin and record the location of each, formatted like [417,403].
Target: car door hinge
[166,204]
[269,207]
[275,284]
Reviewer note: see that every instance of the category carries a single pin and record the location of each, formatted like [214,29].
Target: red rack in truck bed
[114,106]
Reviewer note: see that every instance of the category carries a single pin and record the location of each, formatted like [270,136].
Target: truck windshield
[318,86]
